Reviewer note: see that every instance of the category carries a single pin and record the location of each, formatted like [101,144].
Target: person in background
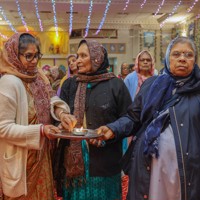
[95,97]
[72,70]
[55,75]
[163,160]
[144,68]
[131,67]
[62,71]
[72,66]
[25,121]
[125,70]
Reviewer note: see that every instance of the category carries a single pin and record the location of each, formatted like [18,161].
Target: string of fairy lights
[170,14]
[7,21]
[101,24]
[38,15]
[192,6]
[104,17]
[71,17]
[54,17]
[21,15]
[126,5]
[159,7]
[89,18]
[143,3]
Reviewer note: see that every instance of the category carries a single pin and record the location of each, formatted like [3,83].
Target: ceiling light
[176,19]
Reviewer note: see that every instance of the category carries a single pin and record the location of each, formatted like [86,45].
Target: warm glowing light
[177,19]
[184,33]
[3,36]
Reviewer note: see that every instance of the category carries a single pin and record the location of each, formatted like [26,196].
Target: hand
[68,121]
[106,132]
[50,130]
[97,142]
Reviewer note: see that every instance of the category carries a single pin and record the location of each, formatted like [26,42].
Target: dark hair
[26,39]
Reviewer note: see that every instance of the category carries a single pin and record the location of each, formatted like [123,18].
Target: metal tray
[91,134]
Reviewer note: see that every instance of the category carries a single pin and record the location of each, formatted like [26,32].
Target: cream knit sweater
[16,136]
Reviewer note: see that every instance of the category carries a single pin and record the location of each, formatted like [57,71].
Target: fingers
[60,126]
[50,131]
[68,122]
[97,143]
[106,132]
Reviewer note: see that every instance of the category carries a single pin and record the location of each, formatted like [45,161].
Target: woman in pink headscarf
[144,68]
[27,105]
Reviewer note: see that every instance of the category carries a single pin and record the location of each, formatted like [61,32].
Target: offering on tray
[78,134]
[80,131]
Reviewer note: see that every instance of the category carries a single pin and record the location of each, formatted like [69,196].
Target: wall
[133,40]
[53,60]
[116,59]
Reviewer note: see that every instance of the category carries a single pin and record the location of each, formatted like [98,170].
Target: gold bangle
[61,112]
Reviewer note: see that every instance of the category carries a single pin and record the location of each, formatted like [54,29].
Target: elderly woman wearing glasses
[144,68]
[163,160]
[25,121]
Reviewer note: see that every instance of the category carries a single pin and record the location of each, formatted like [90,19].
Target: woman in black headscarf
[164,162]
[91,170]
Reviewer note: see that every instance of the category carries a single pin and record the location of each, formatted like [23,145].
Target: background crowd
[148,124]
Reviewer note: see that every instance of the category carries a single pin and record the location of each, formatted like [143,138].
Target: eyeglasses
[143,59]
[125,68]
[30,57]
[187,55]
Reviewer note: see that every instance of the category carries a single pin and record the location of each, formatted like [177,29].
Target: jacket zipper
[181,153]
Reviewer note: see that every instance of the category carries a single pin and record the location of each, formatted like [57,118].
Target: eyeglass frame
[39,56]
[185,55]
[145,59]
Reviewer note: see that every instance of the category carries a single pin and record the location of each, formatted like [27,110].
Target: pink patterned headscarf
[142,78]
[41,90]
[10,63]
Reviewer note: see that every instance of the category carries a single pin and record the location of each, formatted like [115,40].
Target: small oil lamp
[80,131]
